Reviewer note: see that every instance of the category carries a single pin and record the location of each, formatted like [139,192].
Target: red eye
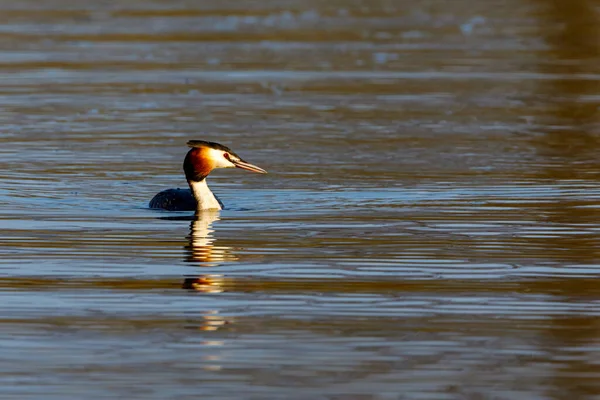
[226,155]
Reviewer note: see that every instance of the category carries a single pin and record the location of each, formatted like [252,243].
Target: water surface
[428,229]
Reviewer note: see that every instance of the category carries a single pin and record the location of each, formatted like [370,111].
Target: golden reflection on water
[571,142]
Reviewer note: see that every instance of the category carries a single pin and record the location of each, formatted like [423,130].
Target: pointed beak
[247,166]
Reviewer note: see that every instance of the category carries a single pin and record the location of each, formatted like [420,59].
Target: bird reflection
[202,251]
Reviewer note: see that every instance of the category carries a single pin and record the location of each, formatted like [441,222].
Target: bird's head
[204,156]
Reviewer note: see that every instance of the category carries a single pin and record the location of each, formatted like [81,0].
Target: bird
[200,160]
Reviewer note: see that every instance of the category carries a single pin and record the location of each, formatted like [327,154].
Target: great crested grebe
[202,158]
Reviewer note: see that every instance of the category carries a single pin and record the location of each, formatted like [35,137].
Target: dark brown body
[174,200]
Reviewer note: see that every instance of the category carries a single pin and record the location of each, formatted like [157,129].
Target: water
[428,229]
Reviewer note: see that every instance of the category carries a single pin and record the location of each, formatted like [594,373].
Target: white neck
[204,197]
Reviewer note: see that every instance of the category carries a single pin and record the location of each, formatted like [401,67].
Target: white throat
[203,195]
